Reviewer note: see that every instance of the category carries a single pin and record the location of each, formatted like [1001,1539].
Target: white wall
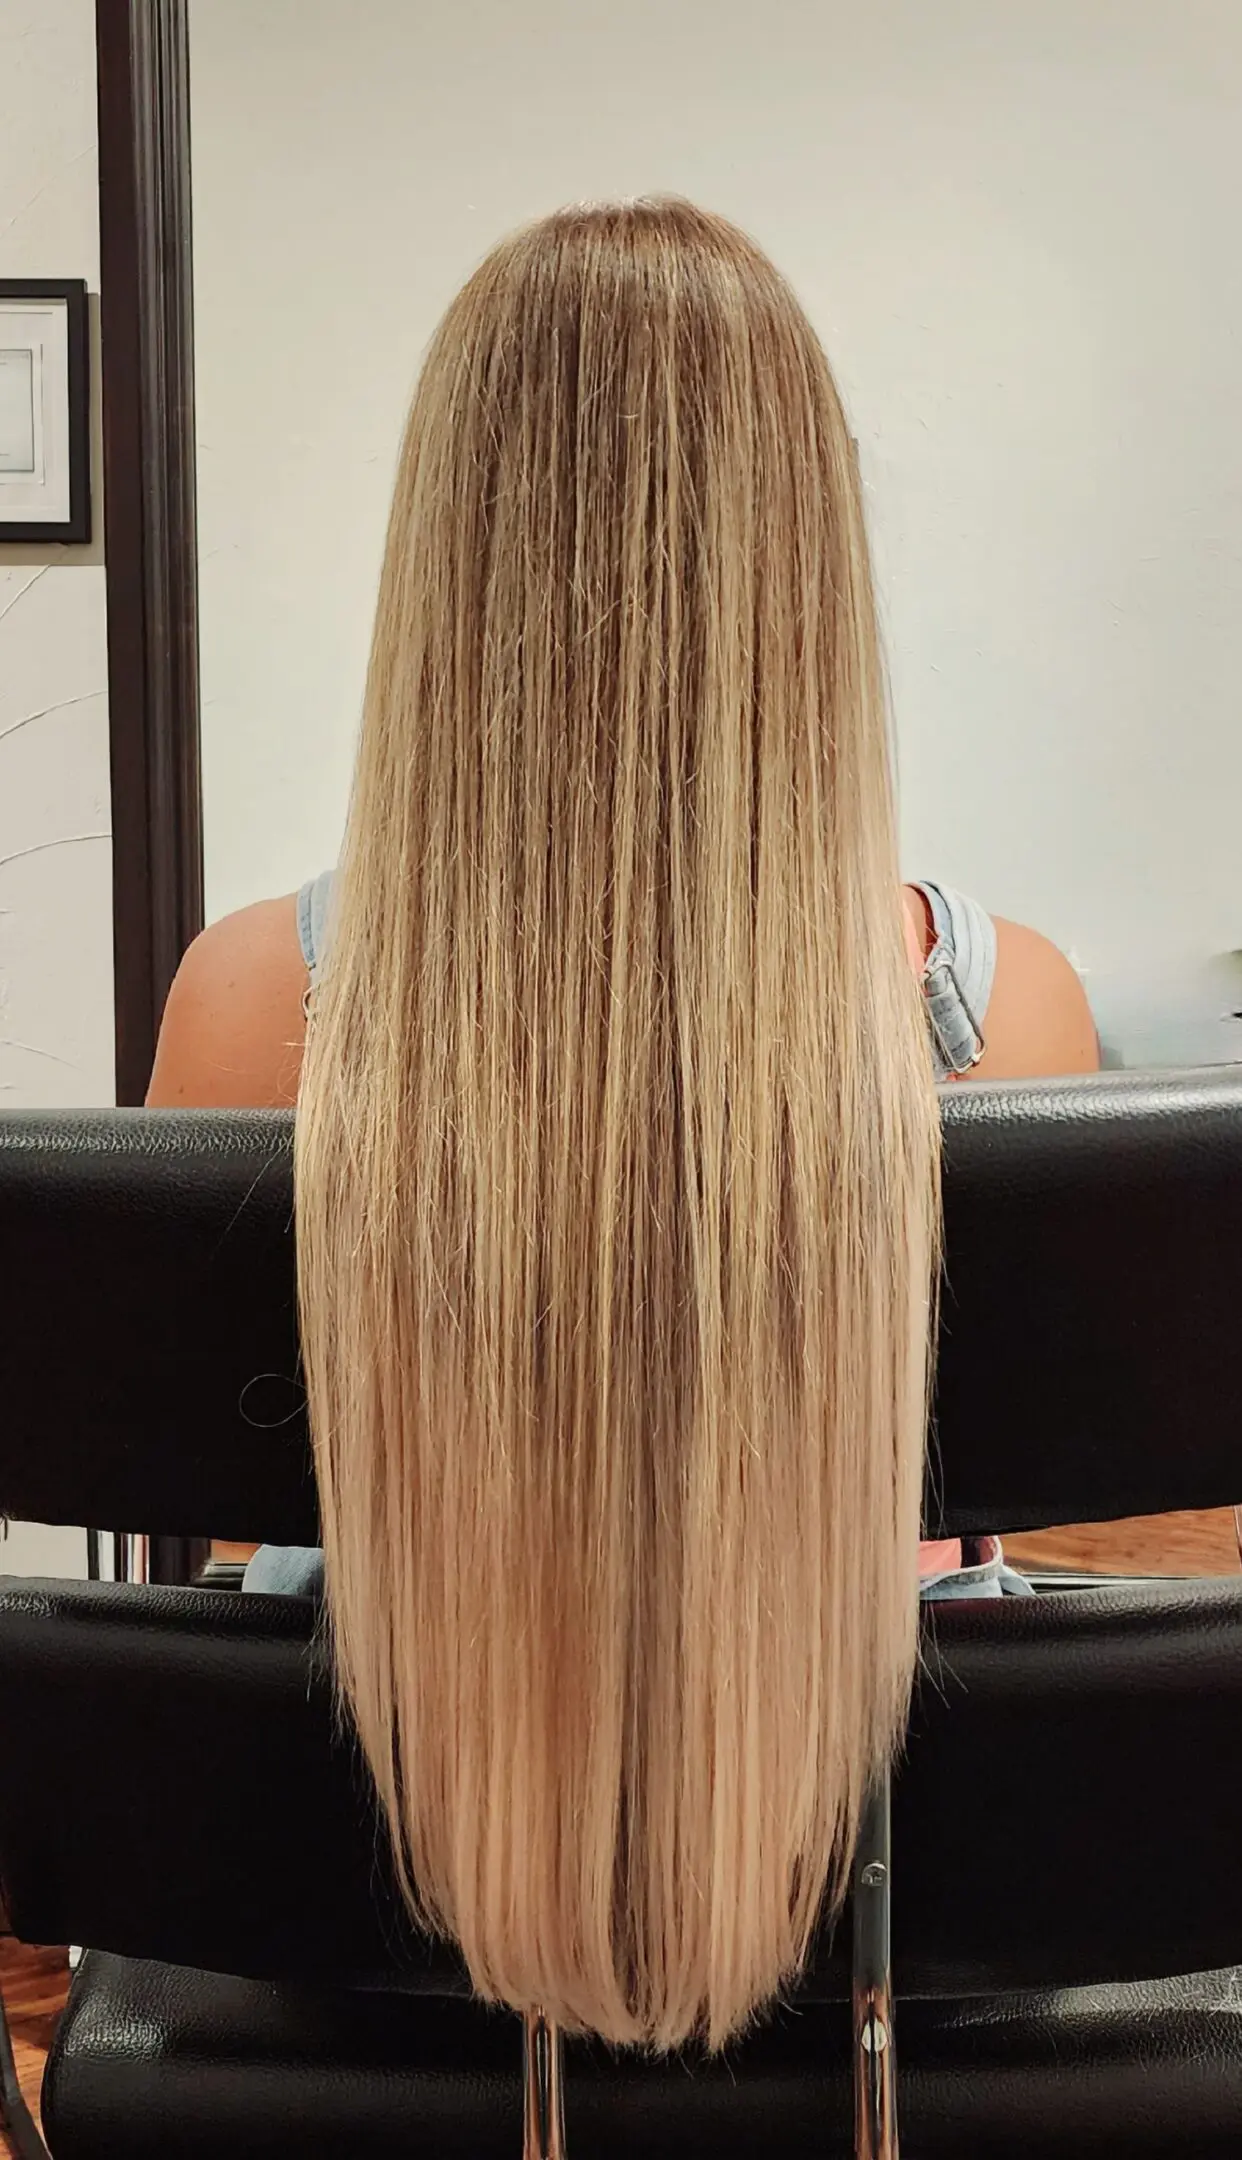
[1016,228]
[56,1040]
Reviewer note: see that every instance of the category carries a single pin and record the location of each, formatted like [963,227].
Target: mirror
[1013,229]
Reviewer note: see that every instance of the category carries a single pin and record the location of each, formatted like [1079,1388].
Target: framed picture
[45,461]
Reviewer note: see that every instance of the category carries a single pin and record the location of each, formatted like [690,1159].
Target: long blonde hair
[616,1150]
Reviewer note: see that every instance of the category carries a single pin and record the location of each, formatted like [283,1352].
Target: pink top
[939,1556]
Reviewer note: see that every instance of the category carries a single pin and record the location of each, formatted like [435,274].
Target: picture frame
[45,457]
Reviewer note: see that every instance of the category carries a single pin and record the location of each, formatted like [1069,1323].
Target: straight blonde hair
[616,1150]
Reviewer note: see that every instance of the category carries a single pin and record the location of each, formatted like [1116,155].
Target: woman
[617,1142]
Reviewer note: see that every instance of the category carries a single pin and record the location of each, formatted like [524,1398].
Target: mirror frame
[150,526]
[150,542]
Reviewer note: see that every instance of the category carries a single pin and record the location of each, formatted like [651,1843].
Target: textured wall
[55,856]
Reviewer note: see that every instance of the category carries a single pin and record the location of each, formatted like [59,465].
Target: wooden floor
[1200,1544]
[34,1984]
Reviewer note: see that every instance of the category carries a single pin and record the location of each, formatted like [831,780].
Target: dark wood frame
[76,528]
[150,536]
[150,527]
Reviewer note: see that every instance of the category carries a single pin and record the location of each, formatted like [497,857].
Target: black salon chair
[176,1791]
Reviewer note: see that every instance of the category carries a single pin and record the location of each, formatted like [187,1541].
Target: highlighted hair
[617,1144]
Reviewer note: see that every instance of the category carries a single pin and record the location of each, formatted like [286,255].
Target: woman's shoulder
[1039,1020]
[1033,1013]
[960,932]
[233,1025]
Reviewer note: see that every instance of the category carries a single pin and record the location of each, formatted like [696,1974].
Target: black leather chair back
[1065,1813]
[184,1790]
[1093,1275]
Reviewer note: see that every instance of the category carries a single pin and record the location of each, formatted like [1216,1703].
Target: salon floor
[1198,1544]
[34,1981]
[34,1984]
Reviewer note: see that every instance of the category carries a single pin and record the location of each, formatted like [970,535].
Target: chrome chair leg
[875,2057]
[131,1558]
[16,2120]
[543,2089]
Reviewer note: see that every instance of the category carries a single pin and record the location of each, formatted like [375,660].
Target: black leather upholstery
[1081,2074]
[1066,1755]
[231,1788]
[1093,1271]
[181,1795]
[1088,1362]
[148,1334]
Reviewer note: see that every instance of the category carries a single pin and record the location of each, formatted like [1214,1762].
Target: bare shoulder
[233,1026]
[1038,1020]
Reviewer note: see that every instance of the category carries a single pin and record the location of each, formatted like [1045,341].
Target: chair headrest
[1088,1364]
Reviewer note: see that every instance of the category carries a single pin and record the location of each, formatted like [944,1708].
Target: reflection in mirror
[1012,232]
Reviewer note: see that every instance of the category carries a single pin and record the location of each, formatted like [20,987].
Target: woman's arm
[233,1028]
[1038,1020]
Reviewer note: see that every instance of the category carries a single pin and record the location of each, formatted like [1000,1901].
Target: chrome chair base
[117,1556]
[875,2055]
[543,2078]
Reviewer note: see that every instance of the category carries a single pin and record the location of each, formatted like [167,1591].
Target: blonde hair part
[616,1148]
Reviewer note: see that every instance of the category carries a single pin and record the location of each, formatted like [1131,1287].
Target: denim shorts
[286,1571]
[297,1571]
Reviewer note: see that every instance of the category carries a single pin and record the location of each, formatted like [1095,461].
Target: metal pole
[875,2059]
[131,1557]
[543,2089]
